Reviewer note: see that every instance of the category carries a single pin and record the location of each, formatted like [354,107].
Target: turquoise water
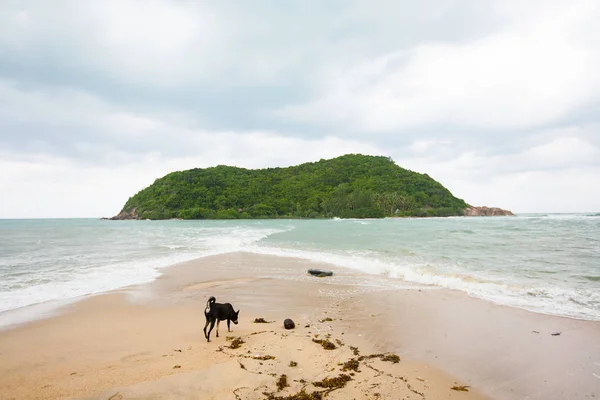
[543,263]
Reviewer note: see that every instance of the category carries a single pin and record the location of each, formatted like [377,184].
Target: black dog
[216,312]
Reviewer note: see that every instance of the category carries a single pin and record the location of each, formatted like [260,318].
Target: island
[349,186]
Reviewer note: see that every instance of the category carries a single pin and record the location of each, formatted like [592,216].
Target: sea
[544,263]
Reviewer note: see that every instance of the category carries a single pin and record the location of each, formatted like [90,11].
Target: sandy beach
[146,341]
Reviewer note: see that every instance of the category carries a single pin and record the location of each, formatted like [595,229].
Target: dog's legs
[218,321]
[228,328]
[212,325]
[205,326]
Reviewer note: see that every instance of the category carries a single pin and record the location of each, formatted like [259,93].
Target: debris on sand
[261,321]
[263,358]
[326,320]
[236,343]
[355,350]
[351,365]
[334,383]
[393,358]
[293,364]
[289,324]
[301,395]
[326,344]
[282,382]
[461,388]
[389,357]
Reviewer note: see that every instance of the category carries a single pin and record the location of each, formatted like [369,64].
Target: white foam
[583,304]
[58,284]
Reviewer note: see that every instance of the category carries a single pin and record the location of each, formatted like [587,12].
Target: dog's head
[235,316]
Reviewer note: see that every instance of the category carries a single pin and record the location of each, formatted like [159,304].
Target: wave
[592,278]
[559,216]
[567,302]
[107,263]
[57,282]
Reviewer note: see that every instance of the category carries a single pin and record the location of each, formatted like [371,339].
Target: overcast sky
[497,100]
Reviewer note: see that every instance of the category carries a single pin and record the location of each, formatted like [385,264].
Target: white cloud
[73,189]
[557,175]
[527,75]
[160,42]
[496,101]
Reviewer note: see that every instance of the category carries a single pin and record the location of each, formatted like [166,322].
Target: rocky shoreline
[470,211]
[484,211]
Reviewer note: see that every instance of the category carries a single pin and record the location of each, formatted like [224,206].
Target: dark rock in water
[320,272]
[289,324]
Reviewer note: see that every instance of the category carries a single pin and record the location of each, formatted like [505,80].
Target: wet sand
[146,342]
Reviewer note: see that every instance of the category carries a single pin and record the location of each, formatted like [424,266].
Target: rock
[486,212]
[289,324]
[123,215]
[320,272]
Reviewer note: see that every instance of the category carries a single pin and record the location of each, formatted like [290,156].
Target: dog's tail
[210,301]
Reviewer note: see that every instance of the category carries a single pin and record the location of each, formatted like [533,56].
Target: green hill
[350,186]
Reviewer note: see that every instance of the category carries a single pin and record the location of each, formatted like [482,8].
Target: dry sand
[146,342]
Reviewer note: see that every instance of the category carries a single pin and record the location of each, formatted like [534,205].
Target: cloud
[555,175]
[529,75]
[75,189]
[499,101]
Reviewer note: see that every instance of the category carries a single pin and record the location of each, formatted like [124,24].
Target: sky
[497,100]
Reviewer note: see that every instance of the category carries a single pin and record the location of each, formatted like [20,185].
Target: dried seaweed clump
[334,383]
[461,388]
[301,395]
[393,358]
[261,321]
[355,350]
[326,320]
[390,357]
[326,344]
[236,343]
[263,358]
[282,382]
[351,365]
[293,364]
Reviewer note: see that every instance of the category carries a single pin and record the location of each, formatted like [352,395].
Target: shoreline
[409,322]
[49,309]
[147,342]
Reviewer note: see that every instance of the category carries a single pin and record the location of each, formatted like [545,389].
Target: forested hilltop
[350,186]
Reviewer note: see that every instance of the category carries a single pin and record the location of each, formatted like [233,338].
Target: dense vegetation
[350,186]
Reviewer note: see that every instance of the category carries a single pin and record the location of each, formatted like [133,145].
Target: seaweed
[301,395]
[393,358]
[461,388]
[326,320]
[326,344]
[334,383]
[261,321]
[390,357]
[263,358]
[351,365]
[282,382]
[236,343]
[293,364]
[355,350]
